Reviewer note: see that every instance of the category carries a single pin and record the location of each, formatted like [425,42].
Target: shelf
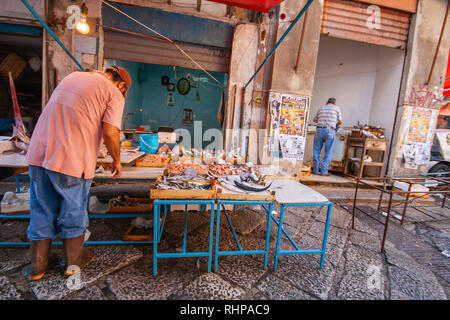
[372,163]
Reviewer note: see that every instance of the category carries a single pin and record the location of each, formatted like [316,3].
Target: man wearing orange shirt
[85,109]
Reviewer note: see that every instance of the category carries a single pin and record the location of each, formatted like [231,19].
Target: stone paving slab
[412,215]
[13,258]
[295,217]
[54,285]
[398,295]
[362,227]
[437,211]
[295,221]
[363,278]
[442,226]
[247,221]
[136,282]
[210,286]
[438,239]
[174,224]
[13,230]
[414,286]
[410,278]
[302,271]
[365,240]
[339,218]
[101,230]
[333,252]
[276,289]
[7,290]
[89,293]
[244,271]
[336,236]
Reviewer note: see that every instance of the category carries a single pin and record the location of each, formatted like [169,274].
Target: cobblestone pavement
[413,265]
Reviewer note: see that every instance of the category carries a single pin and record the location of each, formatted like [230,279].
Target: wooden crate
[190,159]
[209,161]
[14,64]
[226,194]
[127,236]
[306,171]
[185,194]
[412,194]
[144,208]
[235,160]
[168,173]
[142,163]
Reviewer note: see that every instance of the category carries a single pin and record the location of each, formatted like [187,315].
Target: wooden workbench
[365,144]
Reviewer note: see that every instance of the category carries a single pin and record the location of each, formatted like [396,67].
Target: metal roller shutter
[358,21]
[125,46]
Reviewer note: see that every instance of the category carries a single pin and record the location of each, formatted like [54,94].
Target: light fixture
[82,26]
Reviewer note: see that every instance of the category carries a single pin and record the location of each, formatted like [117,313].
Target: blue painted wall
[151,97]
[20,29]
[176,26]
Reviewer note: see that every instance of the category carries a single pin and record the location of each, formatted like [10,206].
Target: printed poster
[292,147]
[293,115]
[419,137]
[419,125]
[288,125]
[274,107]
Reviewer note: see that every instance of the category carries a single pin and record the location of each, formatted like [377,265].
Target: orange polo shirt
[68,134]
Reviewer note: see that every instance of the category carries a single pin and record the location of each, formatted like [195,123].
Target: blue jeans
[58,205]
[327,136]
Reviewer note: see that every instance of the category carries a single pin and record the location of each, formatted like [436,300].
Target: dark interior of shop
[22,55]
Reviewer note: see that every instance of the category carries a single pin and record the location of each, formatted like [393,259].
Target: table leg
[155,236]
[17,184]
[269,219]
[185,229]
[166,207]
[280,227]
[216,258]
[211,232]
[325,235]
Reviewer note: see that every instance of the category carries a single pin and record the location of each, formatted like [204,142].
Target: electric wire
[164,37]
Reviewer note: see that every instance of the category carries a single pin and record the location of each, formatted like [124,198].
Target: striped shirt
[328,116]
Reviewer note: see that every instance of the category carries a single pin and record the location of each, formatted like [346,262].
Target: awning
[447,79]
[445,110]
[256,5]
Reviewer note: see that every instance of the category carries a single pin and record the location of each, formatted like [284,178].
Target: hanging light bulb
[82,26]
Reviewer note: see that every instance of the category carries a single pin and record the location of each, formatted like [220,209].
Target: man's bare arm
[112,141]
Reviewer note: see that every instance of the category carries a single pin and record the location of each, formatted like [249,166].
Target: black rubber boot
[76,256]
[40,254]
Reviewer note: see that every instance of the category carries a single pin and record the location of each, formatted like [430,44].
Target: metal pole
[386,223]
[281,40]
[30,8]
[443,201]
[354,204]
[438,46]
[406,203]
[299,53]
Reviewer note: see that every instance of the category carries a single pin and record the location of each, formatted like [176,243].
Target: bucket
[6,124]
[149,143]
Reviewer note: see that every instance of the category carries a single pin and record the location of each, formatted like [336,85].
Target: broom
[20,135]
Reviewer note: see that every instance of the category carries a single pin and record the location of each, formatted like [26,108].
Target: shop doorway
[365,79]
[163,97]
[20,54]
